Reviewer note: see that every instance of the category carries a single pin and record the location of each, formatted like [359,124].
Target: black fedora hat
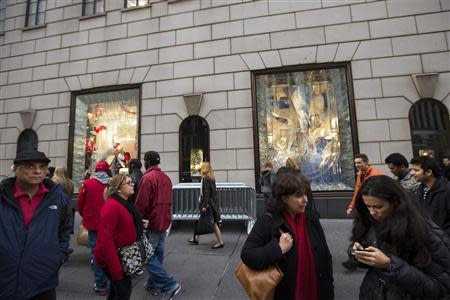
[31,155]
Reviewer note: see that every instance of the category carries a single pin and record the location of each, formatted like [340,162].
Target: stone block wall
[212,46]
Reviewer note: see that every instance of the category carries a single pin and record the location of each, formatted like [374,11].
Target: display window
[104,127]
[305,115]
[194,147]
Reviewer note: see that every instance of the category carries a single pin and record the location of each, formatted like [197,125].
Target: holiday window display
[105,128]
[305,116]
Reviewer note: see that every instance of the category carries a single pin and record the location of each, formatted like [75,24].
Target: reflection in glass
[105,128]
[305,116]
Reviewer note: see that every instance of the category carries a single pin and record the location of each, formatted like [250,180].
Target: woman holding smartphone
[406,254]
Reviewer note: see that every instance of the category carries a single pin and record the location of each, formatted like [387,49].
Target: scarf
[102,177]
[133,211]
[306,279]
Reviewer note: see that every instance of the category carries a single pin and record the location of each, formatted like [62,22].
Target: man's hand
[349,211]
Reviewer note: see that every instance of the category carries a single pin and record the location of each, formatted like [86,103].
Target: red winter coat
[90,202]
[116,230]
[154,200]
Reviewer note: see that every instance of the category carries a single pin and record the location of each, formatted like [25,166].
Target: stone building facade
[175,48]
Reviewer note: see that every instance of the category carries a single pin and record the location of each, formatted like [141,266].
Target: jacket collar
[6,189]
[439,185]
[152,168]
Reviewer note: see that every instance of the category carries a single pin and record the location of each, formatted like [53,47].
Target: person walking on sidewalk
[291,237]
[35,225]
[120,226]
[434,191]
[399,167]
[365,171]
[90,203]
[154,203]
[406,255]
[208,201]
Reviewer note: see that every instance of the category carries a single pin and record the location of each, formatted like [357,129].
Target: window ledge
[135,7]
[81,18]
[34,27]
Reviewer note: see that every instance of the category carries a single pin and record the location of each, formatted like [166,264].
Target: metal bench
[237,201]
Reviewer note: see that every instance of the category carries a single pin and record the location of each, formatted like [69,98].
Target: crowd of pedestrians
[400,232]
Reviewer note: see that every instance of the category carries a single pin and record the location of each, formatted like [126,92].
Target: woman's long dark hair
[404,232]
[286,184]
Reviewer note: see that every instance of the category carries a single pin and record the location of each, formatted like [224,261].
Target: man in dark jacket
[434,191]
[398,165]
[154,203]
[35,225]
[446,166]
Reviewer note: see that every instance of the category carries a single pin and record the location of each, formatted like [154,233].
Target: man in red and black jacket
[90,203]
[154,203]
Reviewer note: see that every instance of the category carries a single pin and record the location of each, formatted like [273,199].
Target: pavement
[205,273]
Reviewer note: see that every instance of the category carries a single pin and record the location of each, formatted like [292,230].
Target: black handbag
[135,256]
[205,223]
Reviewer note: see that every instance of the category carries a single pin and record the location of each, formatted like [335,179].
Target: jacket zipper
[19,267]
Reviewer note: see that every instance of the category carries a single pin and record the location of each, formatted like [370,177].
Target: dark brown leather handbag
[259,284]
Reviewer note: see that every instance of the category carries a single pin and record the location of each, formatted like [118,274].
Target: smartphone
[360,249]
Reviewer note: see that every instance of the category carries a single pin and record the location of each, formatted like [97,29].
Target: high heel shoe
[193,242]
[217,246]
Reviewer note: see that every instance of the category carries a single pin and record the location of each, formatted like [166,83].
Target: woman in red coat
[120,226]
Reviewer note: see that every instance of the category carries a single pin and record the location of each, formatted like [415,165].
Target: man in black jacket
[35,225]
[434,191]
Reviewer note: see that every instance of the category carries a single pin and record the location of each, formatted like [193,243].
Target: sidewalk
[205,273]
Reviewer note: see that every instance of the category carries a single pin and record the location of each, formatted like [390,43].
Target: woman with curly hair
[406,254]
[292,237]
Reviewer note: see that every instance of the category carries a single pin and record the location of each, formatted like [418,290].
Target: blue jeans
[100,279]
[158,277]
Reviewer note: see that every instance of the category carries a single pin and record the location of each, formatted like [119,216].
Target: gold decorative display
[196,161]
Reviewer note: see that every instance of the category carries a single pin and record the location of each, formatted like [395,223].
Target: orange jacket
[371,171]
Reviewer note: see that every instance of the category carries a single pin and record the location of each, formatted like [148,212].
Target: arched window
[194,147]
[28,140]
[430,129]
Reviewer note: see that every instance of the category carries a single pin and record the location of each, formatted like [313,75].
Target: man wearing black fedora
[35,225]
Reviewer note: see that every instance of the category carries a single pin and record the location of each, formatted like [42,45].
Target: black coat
[136,176]
[209,198]
[261,250]
[406,281]
[437,203]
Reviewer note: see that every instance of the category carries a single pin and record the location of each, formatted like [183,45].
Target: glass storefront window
[194,147]
[305,116]
[105,128]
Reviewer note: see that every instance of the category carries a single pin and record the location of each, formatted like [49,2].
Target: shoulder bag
[135,256]
[259,284]
[205,223]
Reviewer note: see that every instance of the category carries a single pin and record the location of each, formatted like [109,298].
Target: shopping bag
[82,238]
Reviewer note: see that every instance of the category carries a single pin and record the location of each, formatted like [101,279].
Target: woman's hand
[286,242]
[145,223]
[373,257]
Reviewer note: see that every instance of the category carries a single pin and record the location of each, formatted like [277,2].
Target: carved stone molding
[425,84]
[27,118]
[193,103]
